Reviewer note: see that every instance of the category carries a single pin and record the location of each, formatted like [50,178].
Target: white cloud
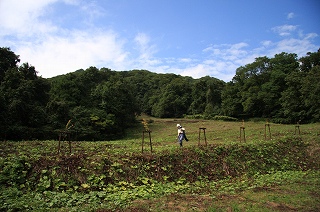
[266,43]
[221,61]
[290,15]
[54,50]
[92,11]
[310,36]
[198,71]
[224,59]
[284,30]
[217,69]
[185,60]
[142,40]
[72,2]
[145,59]
[228,52]
[292,45]
[23,17]
[60,55]
[299,44]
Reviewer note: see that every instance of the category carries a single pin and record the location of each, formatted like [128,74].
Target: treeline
[102,103]
[283,88]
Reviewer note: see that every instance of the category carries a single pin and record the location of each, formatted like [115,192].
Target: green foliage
[24,97]
[104,103]
[195,116]
[8,61]
[174,99]
[92,182]
[206,96]
[310,89]
[14,171]
[272,88]
[120,196]
[213,162]
[115,175]
[224,118]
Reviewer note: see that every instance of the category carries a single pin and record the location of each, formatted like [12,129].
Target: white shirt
[180,130]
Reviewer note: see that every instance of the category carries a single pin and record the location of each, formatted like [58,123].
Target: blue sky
[194,38]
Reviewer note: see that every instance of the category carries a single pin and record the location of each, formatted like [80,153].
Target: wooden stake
[64,136]
[150,140]
[265,131]
[204,133]
[149,133]
[297,128]
[242,130]
[244,134]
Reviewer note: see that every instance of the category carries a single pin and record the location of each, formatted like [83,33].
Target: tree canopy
[102,103]
[277,88]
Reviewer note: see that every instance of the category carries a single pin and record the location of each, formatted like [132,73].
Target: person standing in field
[181,134]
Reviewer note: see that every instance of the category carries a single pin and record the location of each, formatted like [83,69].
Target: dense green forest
[102,103]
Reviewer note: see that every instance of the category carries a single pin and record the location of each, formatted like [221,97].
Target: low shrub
[195,116]
[224,118]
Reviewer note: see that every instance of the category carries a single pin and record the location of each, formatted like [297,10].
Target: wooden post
[199,137]
[244,134]
[69,140]
[142,141]
[297,128]
[149,132]
[60,134]
[150,140]
[64,136]
[242,130]
[265,131]
[204,133]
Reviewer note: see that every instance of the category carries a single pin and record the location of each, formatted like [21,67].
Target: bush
[195,116]
[210,117]
[225,118]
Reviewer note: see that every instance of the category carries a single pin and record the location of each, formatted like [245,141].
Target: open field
[277,174]
[217,132]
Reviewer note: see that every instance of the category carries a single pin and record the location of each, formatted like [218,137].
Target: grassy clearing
[278,174]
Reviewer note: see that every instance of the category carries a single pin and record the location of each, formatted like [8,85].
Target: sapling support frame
[204,134]
[297,128]
[242,134]
[142,144]
[242,131]
[265,131]
[64,136]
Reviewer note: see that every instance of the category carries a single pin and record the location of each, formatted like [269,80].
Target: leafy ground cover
[278,173]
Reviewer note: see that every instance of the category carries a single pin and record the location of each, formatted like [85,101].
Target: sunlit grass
[164,136]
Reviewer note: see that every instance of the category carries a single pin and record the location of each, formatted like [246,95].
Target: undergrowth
[93,180]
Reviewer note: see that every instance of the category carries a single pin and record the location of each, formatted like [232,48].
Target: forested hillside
[102,103]
[284,89]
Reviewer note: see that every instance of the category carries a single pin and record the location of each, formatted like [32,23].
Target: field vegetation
[281,173]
